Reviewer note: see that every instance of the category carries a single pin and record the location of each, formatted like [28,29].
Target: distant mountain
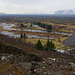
[65,12]
[2,13]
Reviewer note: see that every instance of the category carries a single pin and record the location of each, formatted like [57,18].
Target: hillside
[46,67]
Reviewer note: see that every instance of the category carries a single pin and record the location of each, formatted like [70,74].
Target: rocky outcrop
[55,67]
[49,66]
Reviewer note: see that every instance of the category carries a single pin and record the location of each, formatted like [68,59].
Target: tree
[39,45]
[43,25]
[50,45]
[24,35]
[53,46]
[31,25]
[21,25]
[21,36]
[49,27]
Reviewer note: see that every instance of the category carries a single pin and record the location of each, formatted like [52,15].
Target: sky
[35,6]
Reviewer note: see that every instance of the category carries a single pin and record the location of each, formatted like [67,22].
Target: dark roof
[70,41]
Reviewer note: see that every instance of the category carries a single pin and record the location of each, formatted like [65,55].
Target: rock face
[49,66]
[55,67]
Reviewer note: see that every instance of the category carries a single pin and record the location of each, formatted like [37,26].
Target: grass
[44,41]
[1,27]
[68,26]
[31,50]
[35,28]
[66,31]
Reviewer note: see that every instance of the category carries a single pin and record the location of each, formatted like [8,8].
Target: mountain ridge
[1,13]
[68,11]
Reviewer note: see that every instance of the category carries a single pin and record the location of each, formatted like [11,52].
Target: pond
[11,34]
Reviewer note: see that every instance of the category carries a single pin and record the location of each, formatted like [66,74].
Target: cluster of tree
[23,35]
[49,45]
[43,25]
[49,27]
[21,25]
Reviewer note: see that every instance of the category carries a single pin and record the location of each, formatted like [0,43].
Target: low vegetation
[7,49]
[24,50]
[49,45]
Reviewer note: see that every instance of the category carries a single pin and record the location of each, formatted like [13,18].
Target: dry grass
[44,41]
[6,67]
[34,41]
[35,28]
[63,30]
[1,27]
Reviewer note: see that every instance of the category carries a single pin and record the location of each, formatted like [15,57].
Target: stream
[9,27]
[11,34]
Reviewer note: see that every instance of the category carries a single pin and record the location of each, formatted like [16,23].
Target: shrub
[39,45]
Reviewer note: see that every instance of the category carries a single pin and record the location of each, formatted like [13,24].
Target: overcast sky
[35,6]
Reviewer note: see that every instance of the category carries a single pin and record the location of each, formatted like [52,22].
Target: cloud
[35,6]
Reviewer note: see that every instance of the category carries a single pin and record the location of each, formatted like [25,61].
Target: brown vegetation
[29,48]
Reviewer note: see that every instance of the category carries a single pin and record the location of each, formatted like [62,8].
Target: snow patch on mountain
[65,12]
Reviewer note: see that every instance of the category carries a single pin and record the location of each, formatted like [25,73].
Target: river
[9,27]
